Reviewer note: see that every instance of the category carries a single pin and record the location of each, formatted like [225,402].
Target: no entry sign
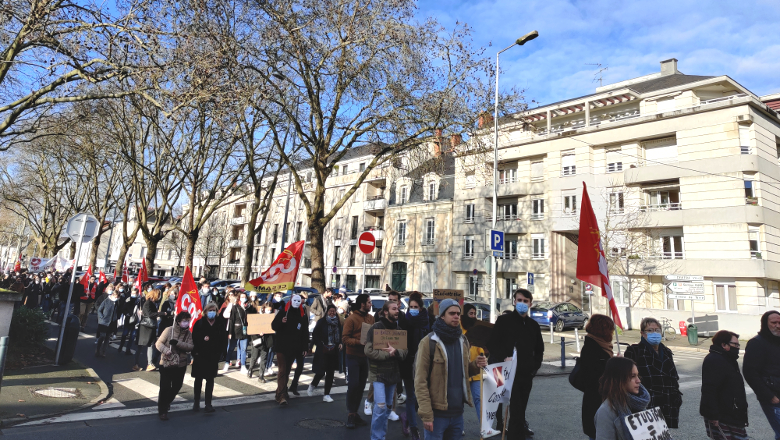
[367,242]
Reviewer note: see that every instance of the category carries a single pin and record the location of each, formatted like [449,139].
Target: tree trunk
[120,262]
[249,246]
[189,253]
[151,254]
[93,252]
[317,247]
[73,255]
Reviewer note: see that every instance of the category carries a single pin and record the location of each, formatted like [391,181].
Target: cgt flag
[591,260]
[281,275]
[102,277]
[125,274]
[18,264]
[142,277]
[189,298]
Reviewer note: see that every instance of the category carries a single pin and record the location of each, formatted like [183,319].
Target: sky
[740,39]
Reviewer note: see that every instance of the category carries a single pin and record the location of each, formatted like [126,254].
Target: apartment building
[683,169]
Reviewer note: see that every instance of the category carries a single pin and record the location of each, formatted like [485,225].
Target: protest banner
[648,425]
[364,332]
[496,388]
[440,295]
[38,264]
[259,324]
[384,338]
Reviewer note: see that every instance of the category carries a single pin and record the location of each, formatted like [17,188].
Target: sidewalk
[47,390]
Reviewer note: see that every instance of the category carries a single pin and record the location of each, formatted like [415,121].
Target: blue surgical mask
[211,314]
[522,308]
[654,338]
[414,312]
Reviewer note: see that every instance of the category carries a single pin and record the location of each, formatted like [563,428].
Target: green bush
[28,328]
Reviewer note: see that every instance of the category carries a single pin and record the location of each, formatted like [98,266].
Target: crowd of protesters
[436,376]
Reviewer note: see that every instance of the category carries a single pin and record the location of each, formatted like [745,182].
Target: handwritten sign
[440,295]
[258,324]
[496,388]
[648,425]
[384,338]
[364,332]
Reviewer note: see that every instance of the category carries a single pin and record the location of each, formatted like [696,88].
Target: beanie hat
[446,304]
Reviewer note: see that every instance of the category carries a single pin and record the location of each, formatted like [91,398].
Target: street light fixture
[519,42]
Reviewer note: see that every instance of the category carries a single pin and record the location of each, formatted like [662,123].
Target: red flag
[281,275]
[591,260]
[142,277]
[125,274]
[18,264]
[85,282]
[102,277]
[189,298]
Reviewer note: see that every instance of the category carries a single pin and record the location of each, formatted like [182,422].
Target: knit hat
[446,304]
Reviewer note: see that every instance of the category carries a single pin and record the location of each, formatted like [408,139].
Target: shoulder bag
[575,377]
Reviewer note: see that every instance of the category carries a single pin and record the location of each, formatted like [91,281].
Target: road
[246,407]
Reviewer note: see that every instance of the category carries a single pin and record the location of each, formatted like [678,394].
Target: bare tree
[176,241]
[214,242]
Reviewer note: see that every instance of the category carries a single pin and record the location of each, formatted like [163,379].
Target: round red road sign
[367,242]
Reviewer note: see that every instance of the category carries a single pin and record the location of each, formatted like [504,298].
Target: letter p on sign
[496,240]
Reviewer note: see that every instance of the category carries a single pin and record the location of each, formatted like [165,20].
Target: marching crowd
[437,376]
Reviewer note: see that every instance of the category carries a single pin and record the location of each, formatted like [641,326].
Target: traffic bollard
[563,352]
[577,338]
[3,351]
[552,336]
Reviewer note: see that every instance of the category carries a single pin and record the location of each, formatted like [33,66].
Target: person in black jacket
[32,293]
[147,334]
[595,353]
[168,309]
[723,401]
[129,306]
[237,328]
[518,331]
[327,337]
[209,338]
[762,367]
[292,339]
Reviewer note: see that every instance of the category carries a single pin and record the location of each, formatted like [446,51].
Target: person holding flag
[87,297]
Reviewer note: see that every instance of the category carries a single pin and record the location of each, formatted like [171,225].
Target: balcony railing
[428,242]
[468,256]
[509,256]
[234,261]
[537,216]
[725,98]
[661,207]
[538,256]
[668,256]
[373,261]
[751,201]
[507,180]
[238,220]
[502,217]
[373,228]
[236,242]
[745,149]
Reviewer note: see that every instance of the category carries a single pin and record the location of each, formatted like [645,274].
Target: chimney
[455,140]
[669,67]
[437,143]
[485,120]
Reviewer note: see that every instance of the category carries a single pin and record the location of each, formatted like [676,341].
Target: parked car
[563,315]
[221,285]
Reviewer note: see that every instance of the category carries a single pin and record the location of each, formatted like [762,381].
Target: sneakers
[367,408]
[150,367]
[136,368]
[415,433]
[327,398]
[310,390]
[393,416]
[282,402]
[528,432]
[244,370]
[401,398]
[226,368]
[350,421]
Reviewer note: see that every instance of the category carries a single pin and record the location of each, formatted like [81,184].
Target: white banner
[496,388]
[38,264]
[63,264]
[648,425]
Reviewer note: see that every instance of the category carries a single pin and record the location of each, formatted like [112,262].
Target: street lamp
[520,41]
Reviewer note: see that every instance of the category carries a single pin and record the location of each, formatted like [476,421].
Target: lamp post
[520,41]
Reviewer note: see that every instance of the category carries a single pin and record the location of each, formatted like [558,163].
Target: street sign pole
[364,273]
[70,292]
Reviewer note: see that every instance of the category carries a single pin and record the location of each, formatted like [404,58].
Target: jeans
[446,428]
[129,333]
[241,356]
[171,379]
[357,372]
[772,413]
[411,402]
[475,395]
[383,399]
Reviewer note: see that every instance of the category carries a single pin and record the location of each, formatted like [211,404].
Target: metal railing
[751,201]
[428,242]
[661,207]
[537,216]
[538,256]
[374,260]
[373,228]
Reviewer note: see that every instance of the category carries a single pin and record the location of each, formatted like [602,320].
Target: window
[257,257]
[341,195]
[661,151]
[404,194]
[755,241]
[275,234]
[616,202]
[777,146]
[537,171]
[308,176]
[352,282]
[672,246]
[511,248]
[570,205]
[362,167]
[725,297]
[346,169]
[398,280]
[537,209]
[272,256]
[336,255]
[143,252]
[372,281]
[473,286]
[510,285]
[354,230]
[619,287]
[469,213]
[538,250]
[471,179]
[429,237]
[568,166]
[506,212]
[401,233]
[614,161]
[352,255]
[170,253]
[663,200]
[285,235]
[750,194]
[298,228]
[744,139]
[507,176]
[468,247]
[431,195]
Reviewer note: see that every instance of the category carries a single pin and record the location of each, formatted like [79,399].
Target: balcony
[507,189]
[428,242]
[375,203]
[236,243]
[234,262]
[537,216]
[661,207]
[751,201]
[378,231]
[373,261]
[239,220]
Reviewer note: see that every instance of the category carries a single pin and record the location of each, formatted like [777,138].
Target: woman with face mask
[417,327]
[107,312]
[167,310]
[174,343]
[596,351]
[237,328]
[209,338]
[659,374]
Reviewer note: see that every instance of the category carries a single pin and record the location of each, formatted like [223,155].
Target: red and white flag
[281,275]
[591,259]
[18,264]
[125,274]
[102,277]
[142,277]
[85,282]
[189,298]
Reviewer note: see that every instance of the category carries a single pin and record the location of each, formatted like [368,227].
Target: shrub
[28,328]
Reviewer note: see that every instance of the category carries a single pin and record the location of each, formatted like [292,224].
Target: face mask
[204,290]
[296,301]
[414,312]
[277,299]
[243,300]
[654,338]
[522,308]
[341,311]
[121,290]
[184,324]
[171,298]
[113,298]
[133,295]
[211,314]
[37,282]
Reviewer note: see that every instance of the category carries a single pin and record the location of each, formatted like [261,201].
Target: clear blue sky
[740,39]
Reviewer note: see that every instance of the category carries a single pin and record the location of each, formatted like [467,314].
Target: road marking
[254,383]
[111,403]
[144,388]
[219,390]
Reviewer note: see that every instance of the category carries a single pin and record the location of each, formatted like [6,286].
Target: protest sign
[440,295]
[648,425]
[364,332]
[496,388]
[258,324]
[396,338]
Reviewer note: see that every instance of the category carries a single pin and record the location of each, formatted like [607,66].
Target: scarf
[333,330]
[636,403]
[418,327]
[447,334]
[605,345]
[659,353]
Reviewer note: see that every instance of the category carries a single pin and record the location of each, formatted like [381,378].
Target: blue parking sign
[497,240]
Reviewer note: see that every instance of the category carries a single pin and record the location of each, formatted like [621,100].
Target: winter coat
[238,322]
[147,336]
[593,360]
[206,354]
[762,362]
[432,394]
[167,311]
[353,326]
[381,366]
[659,376]
[511,332]
[292,337]
[319,307]
[33,293]
[181,348]
[107,313]
[722,389]
[416,329]
[324,360]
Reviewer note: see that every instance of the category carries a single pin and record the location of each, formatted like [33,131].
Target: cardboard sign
[384,338]
[648,425]
[440,295]
[364,332]
[258,323]
[496,388]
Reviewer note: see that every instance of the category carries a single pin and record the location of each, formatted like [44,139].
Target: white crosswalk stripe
[219,390]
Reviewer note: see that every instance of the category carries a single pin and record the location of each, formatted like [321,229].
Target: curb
[6,423]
